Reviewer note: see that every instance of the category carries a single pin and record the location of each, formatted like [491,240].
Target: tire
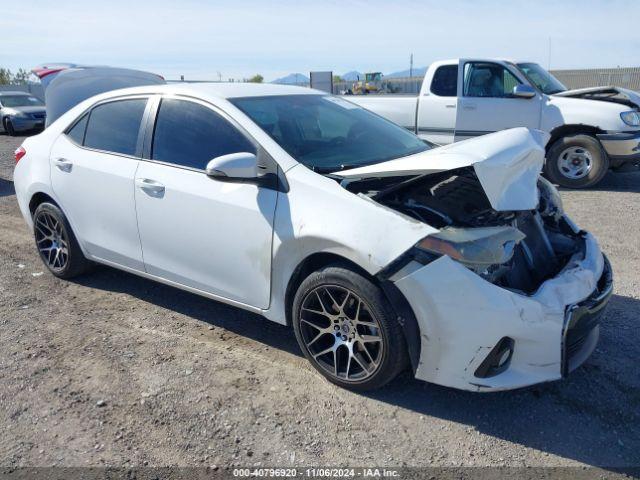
[576,161]
[338,309]
[8,127]
[56,243]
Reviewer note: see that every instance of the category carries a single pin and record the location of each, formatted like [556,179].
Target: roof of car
[221,90]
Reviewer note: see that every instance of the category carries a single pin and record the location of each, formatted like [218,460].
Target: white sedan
[382,252]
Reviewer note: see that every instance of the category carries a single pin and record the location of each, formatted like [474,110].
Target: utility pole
[219,76]
[411,65]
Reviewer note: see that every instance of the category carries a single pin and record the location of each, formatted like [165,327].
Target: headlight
[483,250]
[631,118]
[20,114]
[549,197]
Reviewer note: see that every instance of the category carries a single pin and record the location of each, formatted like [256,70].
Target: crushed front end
[502,299]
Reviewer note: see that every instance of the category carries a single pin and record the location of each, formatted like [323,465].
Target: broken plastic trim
[474,247]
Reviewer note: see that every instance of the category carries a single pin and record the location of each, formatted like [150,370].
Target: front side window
[445,81]
[114,126]
[11,101]
[488,80]
[327,133]
[542,79]
[190,135]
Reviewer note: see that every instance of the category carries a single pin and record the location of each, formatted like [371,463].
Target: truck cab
[591,130]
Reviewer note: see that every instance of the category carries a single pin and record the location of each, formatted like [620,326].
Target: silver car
[20,111]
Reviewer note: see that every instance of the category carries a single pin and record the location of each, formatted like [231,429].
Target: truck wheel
[347,330]
[576,161]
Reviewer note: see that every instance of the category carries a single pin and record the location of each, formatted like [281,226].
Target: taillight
[19,153]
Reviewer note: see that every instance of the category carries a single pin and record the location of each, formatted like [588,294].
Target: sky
[208,40]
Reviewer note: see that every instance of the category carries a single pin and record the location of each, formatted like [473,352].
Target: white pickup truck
[592,130]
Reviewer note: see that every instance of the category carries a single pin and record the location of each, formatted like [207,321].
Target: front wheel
[347,330]
[576,161]
[8,127]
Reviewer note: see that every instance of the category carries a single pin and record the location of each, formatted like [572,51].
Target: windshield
[542,79]
[20,101]
[327,133]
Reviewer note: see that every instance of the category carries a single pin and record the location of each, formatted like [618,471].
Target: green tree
[257,78]
[5,76]
[21,77]
[337,78]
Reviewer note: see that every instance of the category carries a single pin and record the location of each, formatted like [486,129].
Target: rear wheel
[576,161]
[347,330]
[56,243]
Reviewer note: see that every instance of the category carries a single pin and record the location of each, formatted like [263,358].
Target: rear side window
[189,135]
[114,126]
[77,132]
[445,81]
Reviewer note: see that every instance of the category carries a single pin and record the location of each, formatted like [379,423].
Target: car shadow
[6,188]
[585,417]
[217,314]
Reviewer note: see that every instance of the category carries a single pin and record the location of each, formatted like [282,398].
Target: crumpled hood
[507,164]
[592,93]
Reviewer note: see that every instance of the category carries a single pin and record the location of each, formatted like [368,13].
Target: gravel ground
[113,369]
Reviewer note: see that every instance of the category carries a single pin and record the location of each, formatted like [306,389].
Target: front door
[487,104]
[197,231]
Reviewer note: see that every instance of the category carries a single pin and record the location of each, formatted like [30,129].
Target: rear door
[486,103]
[93,166]
[197,231]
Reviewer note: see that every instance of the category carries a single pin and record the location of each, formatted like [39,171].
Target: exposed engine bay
[455,202]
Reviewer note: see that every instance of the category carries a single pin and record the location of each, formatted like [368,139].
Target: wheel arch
[39,198]
[310,264]
[571,129]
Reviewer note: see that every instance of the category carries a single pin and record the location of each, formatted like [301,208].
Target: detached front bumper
[463,319]
[623,149]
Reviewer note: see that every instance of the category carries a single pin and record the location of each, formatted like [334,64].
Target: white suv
[381,252]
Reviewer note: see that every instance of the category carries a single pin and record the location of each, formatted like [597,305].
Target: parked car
[20,111]
[380,251]
[592,130]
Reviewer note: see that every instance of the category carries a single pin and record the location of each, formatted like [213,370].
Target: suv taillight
[19,153]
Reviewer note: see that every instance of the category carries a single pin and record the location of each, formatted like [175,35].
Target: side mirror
[524,91]
[235,166]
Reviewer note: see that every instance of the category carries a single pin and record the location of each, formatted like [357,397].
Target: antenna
[411,65]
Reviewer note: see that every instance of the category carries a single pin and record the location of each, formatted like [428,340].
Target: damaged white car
[381,252]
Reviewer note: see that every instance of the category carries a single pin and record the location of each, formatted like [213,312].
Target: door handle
[469,106]
[150,186]
[63,164]
[450,105]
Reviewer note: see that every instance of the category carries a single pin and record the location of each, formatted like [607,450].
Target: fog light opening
[498,359]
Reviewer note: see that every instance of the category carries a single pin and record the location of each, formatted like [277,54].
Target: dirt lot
[115,370]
